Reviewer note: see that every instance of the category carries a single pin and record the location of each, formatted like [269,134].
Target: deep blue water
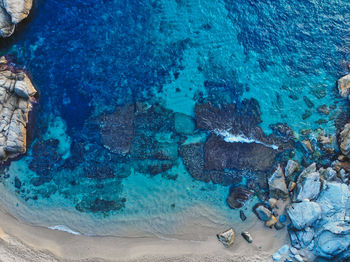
[88,57]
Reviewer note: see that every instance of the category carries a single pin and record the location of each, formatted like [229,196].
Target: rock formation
[343,84]
[16,97]
[277,184]
[11,13]
[344,140]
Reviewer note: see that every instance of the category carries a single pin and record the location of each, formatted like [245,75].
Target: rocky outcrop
[16,96]
[11,13]
[320,223]
[343,84]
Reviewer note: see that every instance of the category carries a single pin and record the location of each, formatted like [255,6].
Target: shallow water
[87,57]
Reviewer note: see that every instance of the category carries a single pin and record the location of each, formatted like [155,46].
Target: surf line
[64,229]
[230,138]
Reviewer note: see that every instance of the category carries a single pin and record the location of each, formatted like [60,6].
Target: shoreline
[19,240]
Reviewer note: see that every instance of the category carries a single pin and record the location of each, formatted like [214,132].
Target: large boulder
[344,140]
[308,186]
[11,13]
[304,214]
[16,98]
[343,84]
[277,184]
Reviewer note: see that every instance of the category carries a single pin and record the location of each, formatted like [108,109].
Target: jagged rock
[16,98]
[344,140]
[11,13]
[227,237]
[238,196]
[291,167]
[304,213]
[308,186]
[277,184]
[262,212]
[247,237]
[343,84]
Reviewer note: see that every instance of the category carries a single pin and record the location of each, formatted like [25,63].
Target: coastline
[22,242]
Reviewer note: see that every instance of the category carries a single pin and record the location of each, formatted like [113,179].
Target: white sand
[22,242]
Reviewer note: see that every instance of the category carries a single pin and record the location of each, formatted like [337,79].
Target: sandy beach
[22,242]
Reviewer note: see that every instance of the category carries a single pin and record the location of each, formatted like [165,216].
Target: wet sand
[23,242]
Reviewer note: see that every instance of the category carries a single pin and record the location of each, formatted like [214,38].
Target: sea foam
[230,138]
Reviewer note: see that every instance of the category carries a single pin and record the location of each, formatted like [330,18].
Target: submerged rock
[343,84]
[238,196]
[11,13]
[277,184]
[117,129]
[220,155]
[227,237]
[16,97]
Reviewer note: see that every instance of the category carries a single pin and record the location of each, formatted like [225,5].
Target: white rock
[304,214]
[309,186]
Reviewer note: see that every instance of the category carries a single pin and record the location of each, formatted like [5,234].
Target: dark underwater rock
[220,155]
[193,158]
[240,118]
[98,205]
[242,216]
[44,159]
[238,196]
[282,131]
[117,129]
[18,183]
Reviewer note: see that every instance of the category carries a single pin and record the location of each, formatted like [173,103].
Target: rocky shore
[12,12]
[16,98]
[312,201]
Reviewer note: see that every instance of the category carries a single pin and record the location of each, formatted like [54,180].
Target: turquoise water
[163,58]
